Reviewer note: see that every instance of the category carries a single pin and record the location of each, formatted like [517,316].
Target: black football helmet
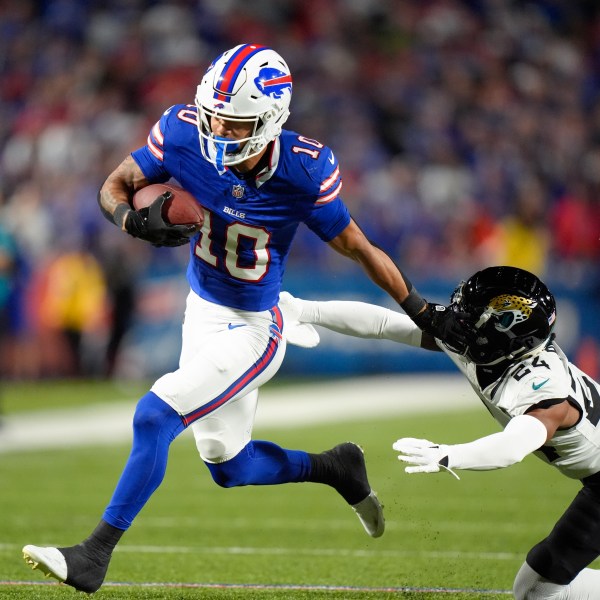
[512,313]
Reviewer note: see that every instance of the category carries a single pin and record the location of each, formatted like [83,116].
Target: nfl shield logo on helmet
[237,191]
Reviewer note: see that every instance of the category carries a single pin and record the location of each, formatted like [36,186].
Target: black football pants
[575,540]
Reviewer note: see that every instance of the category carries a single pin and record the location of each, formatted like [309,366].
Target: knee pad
[211,449]
[217,440]
[530,585]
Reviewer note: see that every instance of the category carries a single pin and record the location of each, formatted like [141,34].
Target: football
[181,209]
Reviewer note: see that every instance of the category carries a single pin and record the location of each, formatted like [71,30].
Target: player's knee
[223,476]
[150,412]
[211,450]
[230,473]
[530,585]
[217,439]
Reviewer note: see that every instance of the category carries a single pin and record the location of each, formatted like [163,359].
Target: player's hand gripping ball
[180,208]
[164,215]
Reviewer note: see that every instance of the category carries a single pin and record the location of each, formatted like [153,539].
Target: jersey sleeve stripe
[155,141]
[330,180]
[158,152]
[330,197]
[157,134]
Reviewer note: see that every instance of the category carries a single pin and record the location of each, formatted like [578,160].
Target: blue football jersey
[238,258]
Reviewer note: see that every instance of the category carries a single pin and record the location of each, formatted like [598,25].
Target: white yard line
[292,551]
[293,406]
[274,587]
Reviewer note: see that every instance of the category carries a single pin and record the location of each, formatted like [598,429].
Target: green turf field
[196,540]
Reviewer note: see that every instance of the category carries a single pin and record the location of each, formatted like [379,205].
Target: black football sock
[104,538]
[88,561]
[343,468]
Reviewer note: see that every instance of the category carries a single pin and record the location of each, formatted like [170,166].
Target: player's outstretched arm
[358,319]
[434,319]
[522,435]
[380,268]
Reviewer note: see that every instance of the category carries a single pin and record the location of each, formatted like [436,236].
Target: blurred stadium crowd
[468,134]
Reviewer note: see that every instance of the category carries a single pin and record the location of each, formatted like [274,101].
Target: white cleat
[48,560]
[370,514]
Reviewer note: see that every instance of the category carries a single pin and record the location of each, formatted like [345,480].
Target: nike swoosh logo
[331,159]
[232,326]
[537,386]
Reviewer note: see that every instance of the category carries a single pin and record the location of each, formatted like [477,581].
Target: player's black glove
[148,224]
[440,321]
[446,324]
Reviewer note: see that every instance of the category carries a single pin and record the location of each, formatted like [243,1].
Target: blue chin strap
[223,146]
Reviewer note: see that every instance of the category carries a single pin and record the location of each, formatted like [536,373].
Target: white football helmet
[247,83]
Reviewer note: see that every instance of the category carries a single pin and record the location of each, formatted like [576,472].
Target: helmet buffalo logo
[273,82]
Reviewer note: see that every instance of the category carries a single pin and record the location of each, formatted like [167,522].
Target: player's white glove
[296,333]
[423,455]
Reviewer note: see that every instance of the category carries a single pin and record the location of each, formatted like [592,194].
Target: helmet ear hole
[273,124]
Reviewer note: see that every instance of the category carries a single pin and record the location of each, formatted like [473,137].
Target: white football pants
[226,355]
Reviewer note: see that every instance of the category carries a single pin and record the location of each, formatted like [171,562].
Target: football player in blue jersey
[256,183]
[545,404]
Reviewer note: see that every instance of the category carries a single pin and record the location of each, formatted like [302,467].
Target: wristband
[120,213]
[413,304]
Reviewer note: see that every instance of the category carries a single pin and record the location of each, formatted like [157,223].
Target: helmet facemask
[223,151]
